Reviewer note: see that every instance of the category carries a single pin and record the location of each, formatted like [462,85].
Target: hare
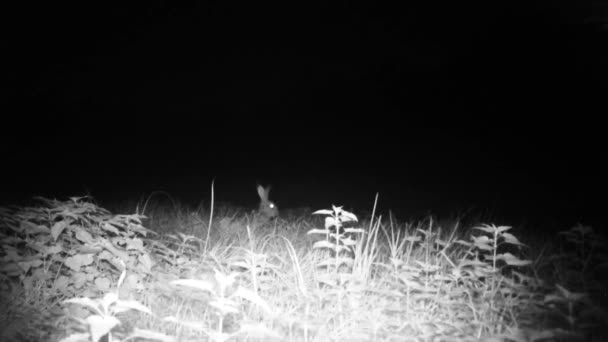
[267,208]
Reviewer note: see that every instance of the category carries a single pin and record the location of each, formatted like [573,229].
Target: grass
[73,271]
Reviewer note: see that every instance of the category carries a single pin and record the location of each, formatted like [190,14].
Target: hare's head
[267,208]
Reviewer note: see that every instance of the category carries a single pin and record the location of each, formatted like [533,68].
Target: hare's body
[296,213]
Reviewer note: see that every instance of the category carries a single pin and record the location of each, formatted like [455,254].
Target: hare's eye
[271,205]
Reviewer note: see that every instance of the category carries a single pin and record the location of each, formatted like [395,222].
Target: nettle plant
[72,248]
[486,257]
[227,301]
[338,240]
[105,314]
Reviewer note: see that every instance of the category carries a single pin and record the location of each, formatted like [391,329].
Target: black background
[439,106]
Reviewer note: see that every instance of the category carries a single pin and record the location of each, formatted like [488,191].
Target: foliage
[228,277]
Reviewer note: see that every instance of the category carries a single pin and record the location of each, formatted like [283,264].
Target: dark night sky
[438,105]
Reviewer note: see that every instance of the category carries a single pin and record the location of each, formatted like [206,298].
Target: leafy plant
[338,237]
[225,302]
[104,317]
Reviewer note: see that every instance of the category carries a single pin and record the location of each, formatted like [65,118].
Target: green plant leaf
[99,326]
[126,305]
[252,297]
[512,260]
[196,284]
[103,284]
[323,212]
[511,239]
[57,229]
[87,302]
[83,236]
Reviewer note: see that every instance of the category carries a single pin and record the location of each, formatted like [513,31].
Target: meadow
[158,270]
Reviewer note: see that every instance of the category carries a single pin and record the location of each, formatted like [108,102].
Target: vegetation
[73,271]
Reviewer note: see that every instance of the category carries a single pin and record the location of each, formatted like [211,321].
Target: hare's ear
[262,193]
